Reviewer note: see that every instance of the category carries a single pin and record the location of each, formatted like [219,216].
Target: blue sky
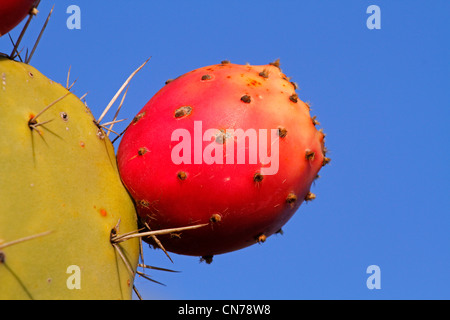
[380,95]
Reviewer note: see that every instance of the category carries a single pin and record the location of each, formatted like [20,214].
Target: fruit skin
[242,206]
[12,12]
[60,177]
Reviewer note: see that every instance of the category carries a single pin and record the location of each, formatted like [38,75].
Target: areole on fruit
[212,135]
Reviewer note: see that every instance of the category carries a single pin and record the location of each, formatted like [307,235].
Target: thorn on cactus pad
[169,81]
[281,232]
[295,85]
[32,123]
[207,259]
[223,62]
[116,238]
[325,161]
[246,99]
[32,237]
[183,111]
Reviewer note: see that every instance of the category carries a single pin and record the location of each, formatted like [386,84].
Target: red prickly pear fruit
[12,12]
[229,145]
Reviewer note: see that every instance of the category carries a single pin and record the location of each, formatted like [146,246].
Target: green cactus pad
[61,196]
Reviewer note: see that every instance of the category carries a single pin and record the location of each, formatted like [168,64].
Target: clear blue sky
[382,97]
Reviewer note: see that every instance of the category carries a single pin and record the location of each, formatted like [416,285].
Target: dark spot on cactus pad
[113,233]
[207,259]
[246,99]
[309,155]
[64,116]
[215,218]
[261,238]
[142,151]
[103,212]
[223,62]
[206,77]
[183,111]
[258,177]
[2,257]
[295,85]
[310,196]
[82,144]
[291,199]
[182,175]
[32,120]
[31,74]
[294,98]
[280,231]
[282,132]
